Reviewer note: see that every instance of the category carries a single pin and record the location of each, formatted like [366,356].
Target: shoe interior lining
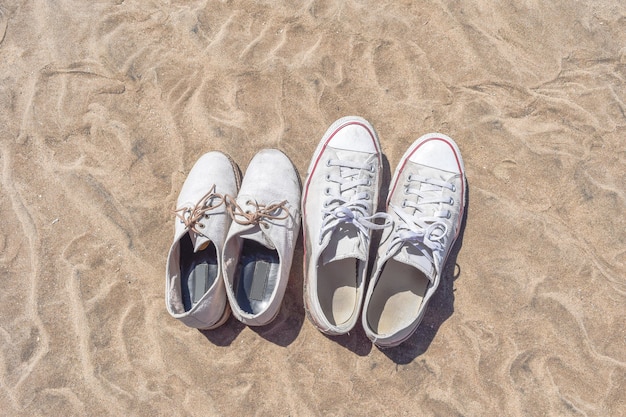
[337,289]
[256,276]
[198,270]
[397,297]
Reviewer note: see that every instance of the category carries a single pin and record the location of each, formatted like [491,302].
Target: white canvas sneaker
[194,289]
[338,207]
[426,201]
[261,240]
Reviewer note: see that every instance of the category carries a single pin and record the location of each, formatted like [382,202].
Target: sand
[106,105]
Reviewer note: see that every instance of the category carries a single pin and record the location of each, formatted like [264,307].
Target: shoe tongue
[199,242]
[256,234]
[344,244]
[345,172]
[412,256]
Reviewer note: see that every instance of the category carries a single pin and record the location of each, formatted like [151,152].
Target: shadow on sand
[284,329]
[440,307]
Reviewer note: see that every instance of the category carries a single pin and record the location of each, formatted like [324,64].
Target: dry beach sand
[106,105]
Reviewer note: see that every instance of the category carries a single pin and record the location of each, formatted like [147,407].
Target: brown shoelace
[263,211]
[199,210]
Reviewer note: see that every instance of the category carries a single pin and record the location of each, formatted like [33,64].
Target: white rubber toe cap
[354,134]
[438,151]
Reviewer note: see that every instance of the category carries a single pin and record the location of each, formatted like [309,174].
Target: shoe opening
[199,271]
[256,276]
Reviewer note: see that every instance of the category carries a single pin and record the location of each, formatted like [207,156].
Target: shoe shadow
[356,341]
[226,333]
[439,309]
[385,181]
[284,329]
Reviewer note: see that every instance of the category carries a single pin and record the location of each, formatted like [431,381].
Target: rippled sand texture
[105,106]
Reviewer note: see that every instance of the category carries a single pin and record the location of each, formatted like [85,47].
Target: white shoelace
[350,206]
[426,233]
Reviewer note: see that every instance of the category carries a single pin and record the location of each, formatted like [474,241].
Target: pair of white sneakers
[424,210]
[233,246]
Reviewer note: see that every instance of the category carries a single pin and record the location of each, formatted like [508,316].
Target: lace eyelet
[448,215]
[327,191]
[410,177]
[369,183]
[371,168]
[403,203]
[200,225]
[453,188]
[406,190]
[206,216]
[327,177]
[367,196]
[451,201]
[328,162]
[265,226]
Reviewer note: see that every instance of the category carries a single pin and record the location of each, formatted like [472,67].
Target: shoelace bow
[191,216]
[263,211]
[354,209]
[426,233]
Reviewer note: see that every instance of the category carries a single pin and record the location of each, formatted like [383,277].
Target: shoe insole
[256,276]
[397,297]
[337,289]
[198,271]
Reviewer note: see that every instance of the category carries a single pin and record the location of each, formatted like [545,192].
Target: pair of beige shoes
[233,243]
